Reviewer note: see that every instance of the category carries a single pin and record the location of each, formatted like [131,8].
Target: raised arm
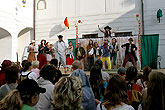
[101,29]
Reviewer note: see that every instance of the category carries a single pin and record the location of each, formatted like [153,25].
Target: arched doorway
[24,38]
[5,45]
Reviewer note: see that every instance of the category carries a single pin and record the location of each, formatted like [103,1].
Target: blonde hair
[35,64]
[12,101]
[68,94]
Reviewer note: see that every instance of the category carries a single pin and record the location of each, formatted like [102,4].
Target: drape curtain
[149,50]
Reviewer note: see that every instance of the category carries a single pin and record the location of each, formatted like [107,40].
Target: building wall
[14,18]
[115,13]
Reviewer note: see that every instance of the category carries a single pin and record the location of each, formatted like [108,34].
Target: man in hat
[130,54]
[60,48]
[106,49]
[107,31]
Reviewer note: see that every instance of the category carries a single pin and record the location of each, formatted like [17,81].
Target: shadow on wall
[24,31]
[55,30]
[4,33]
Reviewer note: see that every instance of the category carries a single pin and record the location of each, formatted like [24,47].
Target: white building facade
[16,23]
[50,17]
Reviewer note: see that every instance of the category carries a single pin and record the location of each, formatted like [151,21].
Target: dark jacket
[44,50]
[132,52]
[82,52]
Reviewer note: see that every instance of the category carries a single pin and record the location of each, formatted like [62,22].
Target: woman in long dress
[42,53]
[31,56]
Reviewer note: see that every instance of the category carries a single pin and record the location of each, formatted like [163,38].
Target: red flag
[66,22]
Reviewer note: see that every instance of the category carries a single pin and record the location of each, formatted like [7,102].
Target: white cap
[33,41]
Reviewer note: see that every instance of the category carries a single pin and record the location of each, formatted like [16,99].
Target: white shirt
[32,75]
[60,47]
[123,107]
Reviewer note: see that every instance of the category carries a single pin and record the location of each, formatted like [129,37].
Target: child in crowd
[58,74]
[35,66]
[27,73]
[134,90]
[121,71]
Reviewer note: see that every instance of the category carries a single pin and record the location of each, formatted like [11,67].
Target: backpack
[23,77]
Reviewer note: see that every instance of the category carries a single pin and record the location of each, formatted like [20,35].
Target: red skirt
[42,59]
[69,60]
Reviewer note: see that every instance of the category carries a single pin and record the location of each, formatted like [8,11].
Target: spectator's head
[29,91]
[12,101]
[5,64]
[68,94]
[23,62]
[96,81]
[146,71]
[121,71]
[95,74]
[131,73]
[35,64]
[76,65]
[27,66]
[116,91]
[48,72]
[156,91]
[11,74]
[54,62]
[99,63]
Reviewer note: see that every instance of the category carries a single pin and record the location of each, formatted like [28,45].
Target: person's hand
[124,47]
[134,49]
[97,101]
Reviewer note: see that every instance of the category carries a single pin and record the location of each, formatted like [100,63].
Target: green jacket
[82,52]
[27,107]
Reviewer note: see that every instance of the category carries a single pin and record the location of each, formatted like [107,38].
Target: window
[41,5]
[89,35]
[123,34]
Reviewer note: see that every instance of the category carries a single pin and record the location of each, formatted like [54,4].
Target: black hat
[130,39]
[60,36]
[29,86]
[107,27]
